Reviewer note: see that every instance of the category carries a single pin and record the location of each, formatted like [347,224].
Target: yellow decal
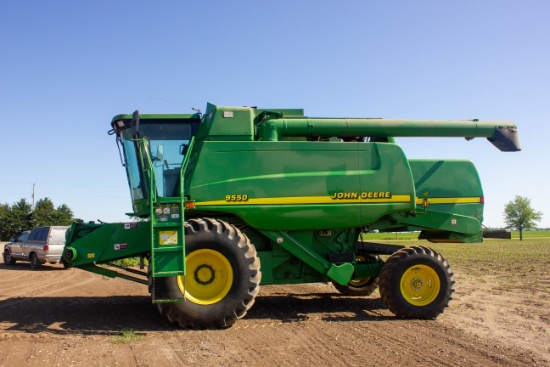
[342,197]
[236,197]
[463,200]
[91,255]
[364,197]
[168,237]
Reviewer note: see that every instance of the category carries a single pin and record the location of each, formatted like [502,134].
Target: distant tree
[18,217]
[4,221]
[43,214]
[46,215]
[63,215]
[15,219]
[519,214]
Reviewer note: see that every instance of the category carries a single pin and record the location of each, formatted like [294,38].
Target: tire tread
[247,251]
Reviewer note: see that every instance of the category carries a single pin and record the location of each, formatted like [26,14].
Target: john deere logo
[362,195]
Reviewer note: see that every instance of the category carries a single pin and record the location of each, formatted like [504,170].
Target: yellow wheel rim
[208,278]
[420,285]
[359,282]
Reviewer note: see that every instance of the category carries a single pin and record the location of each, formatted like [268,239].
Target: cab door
[17,244]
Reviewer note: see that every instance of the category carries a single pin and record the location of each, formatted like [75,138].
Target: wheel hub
[417,284]
[204,274]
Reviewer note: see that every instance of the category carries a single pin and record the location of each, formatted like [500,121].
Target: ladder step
[168,274]
[175,300]
[174,249]
[164,224]
[161,293]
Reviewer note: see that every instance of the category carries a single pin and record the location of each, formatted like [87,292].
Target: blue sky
[67,67]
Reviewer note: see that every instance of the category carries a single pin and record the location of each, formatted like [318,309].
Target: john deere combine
[243,196]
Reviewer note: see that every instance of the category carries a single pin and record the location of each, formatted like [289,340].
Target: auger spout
[502,134]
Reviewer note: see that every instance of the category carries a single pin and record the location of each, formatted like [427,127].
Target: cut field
[503,289]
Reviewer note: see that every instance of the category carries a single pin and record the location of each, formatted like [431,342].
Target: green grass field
[531,234]
[405,236]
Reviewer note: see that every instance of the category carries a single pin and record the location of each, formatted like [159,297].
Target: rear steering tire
[417,282]
[358,287]
[222,277]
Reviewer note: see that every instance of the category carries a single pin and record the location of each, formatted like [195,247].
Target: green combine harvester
[243,196]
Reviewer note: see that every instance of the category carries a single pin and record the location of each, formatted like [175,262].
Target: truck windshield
[165,140]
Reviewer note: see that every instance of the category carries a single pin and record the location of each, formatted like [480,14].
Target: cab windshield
[166,142]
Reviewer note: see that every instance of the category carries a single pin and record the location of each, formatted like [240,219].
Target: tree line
[20,217]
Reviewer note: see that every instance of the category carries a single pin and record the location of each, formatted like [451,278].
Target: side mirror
[12,240]
[135,124]
[184,148]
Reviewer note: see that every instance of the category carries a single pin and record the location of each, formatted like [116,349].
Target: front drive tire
[8,260]
[417,282]
[222,277]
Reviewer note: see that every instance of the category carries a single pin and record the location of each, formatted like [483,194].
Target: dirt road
[57,317]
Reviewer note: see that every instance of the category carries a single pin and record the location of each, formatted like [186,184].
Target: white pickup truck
[39,246]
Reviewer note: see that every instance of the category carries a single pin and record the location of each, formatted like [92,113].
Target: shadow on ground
[110,315]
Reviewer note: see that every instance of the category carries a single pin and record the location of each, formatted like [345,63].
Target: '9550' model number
[236,197]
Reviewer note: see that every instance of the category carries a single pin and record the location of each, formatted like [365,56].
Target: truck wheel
[8,260]
[222,277]
[417,282]
[358,287]
[34,261]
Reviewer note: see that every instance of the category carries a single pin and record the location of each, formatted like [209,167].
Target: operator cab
[157,144]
